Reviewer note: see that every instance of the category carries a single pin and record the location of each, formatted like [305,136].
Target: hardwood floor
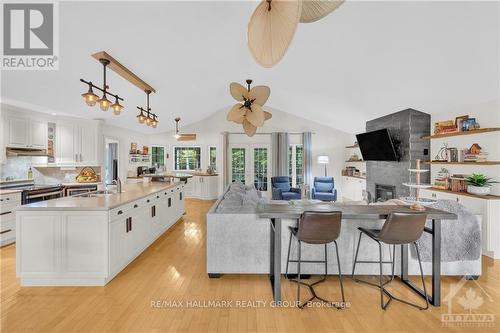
[173,269]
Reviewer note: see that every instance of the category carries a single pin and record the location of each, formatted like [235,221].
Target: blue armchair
[324,189]
[282,189]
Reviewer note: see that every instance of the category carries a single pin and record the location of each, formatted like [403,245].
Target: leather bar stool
[398,229]
[320,228]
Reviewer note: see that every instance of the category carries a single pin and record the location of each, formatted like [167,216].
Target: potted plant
[479,184]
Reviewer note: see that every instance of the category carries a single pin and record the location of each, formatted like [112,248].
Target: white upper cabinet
[25,132]
[88,143]
[17,132]
[77,143]
[38,133]
[66,134]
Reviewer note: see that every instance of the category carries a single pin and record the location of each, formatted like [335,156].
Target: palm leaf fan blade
[270,32]
[236,114]
[250,129]
[260,94]
[238,91]
[314,10]
[256,115]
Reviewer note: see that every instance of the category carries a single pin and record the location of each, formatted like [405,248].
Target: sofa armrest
[334,191]
[277,194]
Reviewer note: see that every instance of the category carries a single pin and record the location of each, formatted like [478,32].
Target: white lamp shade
[323,159]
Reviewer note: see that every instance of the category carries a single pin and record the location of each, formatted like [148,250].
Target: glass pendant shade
[141,118]
[117,107]
[89,97]
[104,103]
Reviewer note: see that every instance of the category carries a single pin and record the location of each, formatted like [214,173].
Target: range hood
[26,152]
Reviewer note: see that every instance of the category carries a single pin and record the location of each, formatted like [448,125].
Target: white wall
[487,115]
[325,140]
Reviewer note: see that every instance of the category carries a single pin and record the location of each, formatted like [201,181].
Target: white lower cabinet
[202,187]
[352,188]
[8,203]
[77,248]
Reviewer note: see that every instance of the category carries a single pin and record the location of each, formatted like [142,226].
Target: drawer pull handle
[5,213]
[5,231]
[135,206]
[120,212]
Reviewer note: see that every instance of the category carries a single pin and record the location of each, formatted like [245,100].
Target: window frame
[164,154]
[186,146]
[216,157]
[293,163]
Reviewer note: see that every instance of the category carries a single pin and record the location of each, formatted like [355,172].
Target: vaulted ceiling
[364,60]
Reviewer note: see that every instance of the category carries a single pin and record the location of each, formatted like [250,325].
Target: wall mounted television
[377,146]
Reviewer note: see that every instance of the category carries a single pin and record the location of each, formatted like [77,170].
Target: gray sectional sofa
[238,241]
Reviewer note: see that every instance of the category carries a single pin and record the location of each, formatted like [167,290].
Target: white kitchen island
[87,241]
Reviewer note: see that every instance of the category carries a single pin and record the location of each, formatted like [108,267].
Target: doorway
[111,158]
[251,165]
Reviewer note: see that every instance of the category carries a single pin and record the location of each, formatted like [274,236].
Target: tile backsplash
[17,167]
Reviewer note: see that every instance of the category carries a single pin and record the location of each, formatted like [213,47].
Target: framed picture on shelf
[459,122]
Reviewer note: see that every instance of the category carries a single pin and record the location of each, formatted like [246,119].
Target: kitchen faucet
[118,184]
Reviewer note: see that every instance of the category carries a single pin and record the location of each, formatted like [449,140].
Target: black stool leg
[422,276]
[356,256]
[340,274]
[288,255]
[298,275]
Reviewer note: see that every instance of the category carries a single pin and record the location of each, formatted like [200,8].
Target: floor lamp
[323,159]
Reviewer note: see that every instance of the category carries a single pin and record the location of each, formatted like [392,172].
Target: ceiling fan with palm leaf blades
[249,113]
[183,136]
[273,24]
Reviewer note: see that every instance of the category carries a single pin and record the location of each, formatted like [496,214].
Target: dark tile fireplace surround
[407,127]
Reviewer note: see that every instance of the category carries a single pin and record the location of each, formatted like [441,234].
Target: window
[260,168]
[238,165]
[158,156]
[187,158]
[212,157]
[296,164]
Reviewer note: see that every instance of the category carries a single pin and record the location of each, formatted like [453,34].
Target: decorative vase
[479,190]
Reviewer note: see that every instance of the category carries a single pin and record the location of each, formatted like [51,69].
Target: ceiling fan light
[89,97]
[104,103]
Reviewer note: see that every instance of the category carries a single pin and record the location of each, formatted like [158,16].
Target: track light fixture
[104,103]
[145,115]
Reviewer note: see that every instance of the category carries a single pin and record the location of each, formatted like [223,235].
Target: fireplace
[384,192]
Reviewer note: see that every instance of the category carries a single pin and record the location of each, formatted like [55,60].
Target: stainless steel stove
[37,192]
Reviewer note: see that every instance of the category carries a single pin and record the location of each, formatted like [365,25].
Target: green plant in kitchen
[479,184]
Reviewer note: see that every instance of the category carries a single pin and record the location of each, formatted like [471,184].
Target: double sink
[95,194]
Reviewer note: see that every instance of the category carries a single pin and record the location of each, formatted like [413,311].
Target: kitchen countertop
[131,192]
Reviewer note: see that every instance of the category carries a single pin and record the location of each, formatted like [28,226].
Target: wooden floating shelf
[476,131]
[357,177]
[123,71]
[487,197]
[353,146]
[464,163]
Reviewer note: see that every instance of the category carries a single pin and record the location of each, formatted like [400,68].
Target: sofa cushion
[324,196]
[284,186]
[323,187]
[290,195]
